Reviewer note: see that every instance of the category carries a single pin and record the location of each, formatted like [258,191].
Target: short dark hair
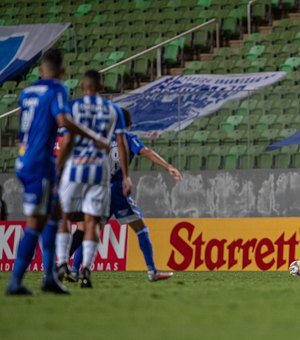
[54,59]
[94,79]
[127,117]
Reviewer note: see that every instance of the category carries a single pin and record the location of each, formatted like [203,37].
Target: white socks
[63,243]
[89,253]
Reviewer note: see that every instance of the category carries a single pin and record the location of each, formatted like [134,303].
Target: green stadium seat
[213,162]
[290,64]
[282,160]
[230,25]
[114,57]
[194,162]
[259,11]
[296,160]
[265,161]
[231,162]
[253,39]
[200,136]
[233,137]
[255,52]
[72,84]
[9,86]
[172,50]
[82,10]
[179,161]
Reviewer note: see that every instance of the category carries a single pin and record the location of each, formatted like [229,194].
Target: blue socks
[25,254]
[146,248]
[77,260]
[48,237]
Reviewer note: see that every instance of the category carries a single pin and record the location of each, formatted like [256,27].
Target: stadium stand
[105,32]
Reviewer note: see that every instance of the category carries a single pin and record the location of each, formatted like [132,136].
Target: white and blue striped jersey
[86,163]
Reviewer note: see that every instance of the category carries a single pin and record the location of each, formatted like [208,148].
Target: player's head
[91,83]
[127,117]
[52,64]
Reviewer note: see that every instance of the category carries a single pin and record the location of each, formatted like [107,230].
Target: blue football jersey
[134,146]
[86,161]
[40,104]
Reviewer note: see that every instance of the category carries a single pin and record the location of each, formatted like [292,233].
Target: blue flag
[21,46]
[291,140]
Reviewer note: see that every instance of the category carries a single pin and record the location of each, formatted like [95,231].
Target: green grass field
[200,305]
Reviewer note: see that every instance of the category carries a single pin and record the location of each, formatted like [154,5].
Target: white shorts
[89,199]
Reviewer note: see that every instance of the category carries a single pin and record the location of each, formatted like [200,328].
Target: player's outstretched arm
[65,120]
[124,163]
[157,159]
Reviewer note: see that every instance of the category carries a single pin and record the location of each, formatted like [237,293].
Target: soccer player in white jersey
[43,109]
[85,181]
[125,209]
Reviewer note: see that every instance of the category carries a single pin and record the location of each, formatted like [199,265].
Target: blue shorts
[39,194]
[124,209]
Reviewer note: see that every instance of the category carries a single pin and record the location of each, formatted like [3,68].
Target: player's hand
[101,144]
[175,173]
[127,184]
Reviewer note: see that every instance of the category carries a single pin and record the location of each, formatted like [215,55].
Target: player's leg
[77,237]
[50,280]
[37,200]
[77,261]
[89,248]
[95,206]
[146,247]
[63,240]
[70,197]
[49,236]
[134,218]
[26,249]
[76,247]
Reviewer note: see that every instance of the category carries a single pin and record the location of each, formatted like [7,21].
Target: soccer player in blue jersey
[85,181]
[43,109]
[125,209]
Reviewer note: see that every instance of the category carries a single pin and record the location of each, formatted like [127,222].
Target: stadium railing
[249,6]
[159,46]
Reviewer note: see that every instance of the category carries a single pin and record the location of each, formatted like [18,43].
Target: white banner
[172,103]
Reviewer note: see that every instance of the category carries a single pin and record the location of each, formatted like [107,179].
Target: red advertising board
[112,249]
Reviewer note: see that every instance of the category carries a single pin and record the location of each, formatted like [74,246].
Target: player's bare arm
[157,159]
[65,149]
[124,162]
[64,120]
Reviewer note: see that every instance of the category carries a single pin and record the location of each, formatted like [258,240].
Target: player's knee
[137,225]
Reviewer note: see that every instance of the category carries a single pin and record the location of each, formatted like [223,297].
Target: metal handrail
[250,3]
[153,48]
[158,46]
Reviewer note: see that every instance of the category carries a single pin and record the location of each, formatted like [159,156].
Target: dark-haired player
[43,109]
[125,209]
[85,181]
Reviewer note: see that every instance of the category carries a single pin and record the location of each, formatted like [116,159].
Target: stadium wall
[253,193]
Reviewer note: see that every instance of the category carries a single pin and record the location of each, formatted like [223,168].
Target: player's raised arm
[157,159]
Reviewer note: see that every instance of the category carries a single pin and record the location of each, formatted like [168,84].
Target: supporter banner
[22,45]
[111,254]
[172,103]
[220,244]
